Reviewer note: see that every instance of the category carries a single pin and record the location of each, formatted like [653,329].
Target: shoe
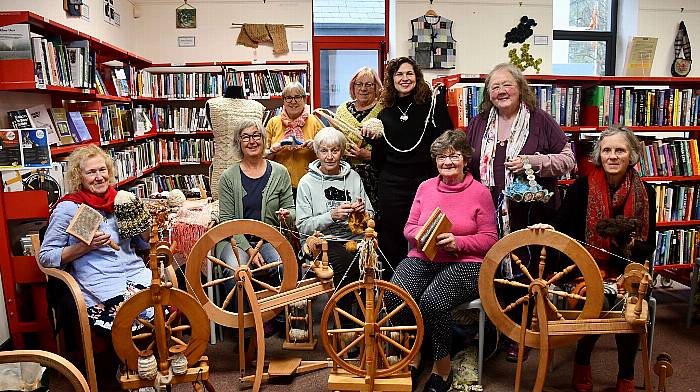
[437,384]
[512,353]
[582,380]
[624,385]
[415,377]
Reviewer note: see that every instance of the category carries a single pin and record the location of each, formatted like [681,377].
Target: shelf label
[258,62]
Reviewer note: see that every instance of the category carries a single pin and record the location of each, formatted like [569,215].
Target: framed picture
[186,17]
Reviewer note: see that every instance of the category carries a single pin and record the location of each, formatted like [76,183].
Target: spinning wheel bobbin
[297,315]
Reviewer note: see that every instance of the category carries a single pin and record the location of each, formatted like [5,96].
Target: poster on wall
[109,13]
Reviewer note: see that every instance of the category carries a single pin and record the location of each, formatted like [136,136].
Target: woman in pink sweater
[450,279]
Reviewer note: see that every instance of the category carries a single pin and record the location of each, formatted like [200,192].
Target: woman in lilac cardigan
[449,280]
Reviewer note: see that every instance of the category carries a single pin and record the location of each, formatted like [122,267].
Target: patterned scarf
[293,127]
[101,203]
[631,196]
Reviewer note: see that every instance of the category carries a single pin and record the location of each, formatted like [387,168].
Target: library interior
[389,195]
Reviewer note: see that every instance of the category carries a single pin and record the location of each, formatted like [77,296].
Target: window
[349,17]
[584,37]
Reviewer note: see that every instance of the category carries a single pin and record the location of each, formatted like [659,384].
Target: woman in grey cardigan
[253,188]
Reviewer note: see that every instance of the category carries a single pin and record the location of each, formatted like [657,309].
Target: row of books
[133,160]
[675,202]
[185,150]
[24,148]
[644,106]
[181,181]
[61,126]
[670,157]
[677,246]
[467,97]
[69,64]
[181,85]
[180,119]
[114,81]
[265,83]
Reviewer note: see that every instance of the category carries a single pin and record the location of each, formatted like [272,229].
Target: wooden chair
[79,300]
[51,360]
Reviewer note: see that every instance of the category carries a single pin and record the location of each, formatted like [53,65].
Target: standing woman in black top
[413,117]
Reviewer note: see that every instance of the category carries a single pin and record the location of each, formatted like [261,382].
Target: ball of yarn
[375,126]
[176,198]
[351,246]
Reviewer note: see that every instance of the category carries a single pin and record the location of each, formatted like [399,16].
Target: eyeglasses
[452,158]
[247,138]
[324,151]
[505,86]
[293,98]
[94,172]
[365,85]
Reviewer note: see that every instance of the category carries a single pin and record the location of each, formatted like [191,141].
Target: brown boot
[582,381]
[624,385]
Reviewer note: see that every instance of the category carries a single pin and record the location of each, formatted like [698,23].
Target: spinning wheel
[488,284]
[376,331]
[200,254]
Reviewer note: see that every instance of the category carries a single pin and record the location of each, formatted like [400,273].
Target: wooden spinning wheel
[488,283]
[200,254]
[160,333]
[375,330]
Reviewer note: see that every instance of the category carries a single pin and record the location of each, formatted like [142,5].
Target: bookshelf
[663,111]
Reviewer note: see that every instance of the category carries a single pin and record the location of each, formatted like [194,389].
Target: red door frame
[379,43]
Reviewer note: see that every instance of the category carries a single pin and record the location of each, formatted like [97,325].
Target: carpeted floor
[672,336]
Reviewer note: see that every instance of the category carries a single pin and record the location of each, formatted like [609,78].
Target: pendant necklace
[404,113]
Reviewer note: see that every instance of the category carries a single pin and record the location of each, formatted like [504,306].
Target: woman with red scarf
[291,134]
[614,213]
[107,277]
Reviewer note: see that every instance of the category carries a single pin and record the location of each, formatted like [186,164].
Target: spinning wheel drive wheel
[200,255]
[183,307]
[374,323]
[489,284]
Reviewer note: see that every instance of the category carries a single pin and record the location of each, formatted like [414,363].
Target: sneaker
[512,353]
[437,384]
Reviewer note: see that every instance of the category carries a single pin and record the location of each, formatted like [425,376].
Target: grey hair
[452,139]
[330,137]
[245,124]
[635,146]
[293,87]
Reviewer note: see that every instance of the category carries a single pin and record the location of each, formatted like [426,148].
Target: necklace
[404,113]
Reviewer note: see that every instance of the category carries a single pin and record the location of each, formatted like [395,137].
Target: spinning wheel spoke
[266,286]
[178,341]
[256,249]
[394,343]
[220,263]
[567,295]
[266,267]
[385,360]
[517,302]
[561,273]
[522,267]
[351,345]
[399,328]
[361,303]
[217,281]
[145,323]
[171,318]
[150,345]
[142,336]
[345,330]
[350,317]
[391,314]
[181,328]
[229,297]
[511,283]
[553,308]
[378,303]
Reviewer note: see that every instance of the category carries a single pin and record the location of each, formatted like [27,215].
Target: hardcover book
[426,238]
[78,128]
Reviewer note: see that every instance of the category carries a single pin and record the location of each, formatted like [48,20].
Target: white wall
[479,28]
[660,19]
[215,38]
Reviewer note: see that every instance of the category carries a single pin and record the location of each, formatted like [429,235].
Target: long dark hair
[421,93]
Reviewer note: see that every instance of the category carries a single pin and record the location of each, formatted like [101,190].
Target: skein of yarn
[147,365]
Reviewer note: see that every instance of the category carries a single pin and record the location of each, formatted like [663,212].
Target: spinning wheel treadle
[488,283]
[375,323]
[200,254]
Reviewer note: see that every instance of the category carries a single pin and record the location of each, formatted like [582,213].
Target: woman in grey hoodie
[326,197]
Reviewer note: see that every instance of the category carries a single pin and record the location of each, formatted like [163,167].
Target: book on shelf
[676,246]
[426,238]
[10,149]
[20,119]
[35,148]
[40,119]
[80,64]
[15,43]
[60,119]
[78,129]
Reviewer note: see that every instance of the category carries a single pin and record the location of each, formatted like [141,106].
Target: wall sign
[185,42]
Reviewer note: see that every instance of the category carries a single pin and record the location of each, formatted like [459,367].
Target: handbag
[681,65]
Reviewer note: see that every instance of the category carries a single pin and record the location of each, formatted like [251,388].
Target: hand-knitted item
[279,38]
[293,127]
[225,114]
[191,223]
[253,33]
[132,216]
